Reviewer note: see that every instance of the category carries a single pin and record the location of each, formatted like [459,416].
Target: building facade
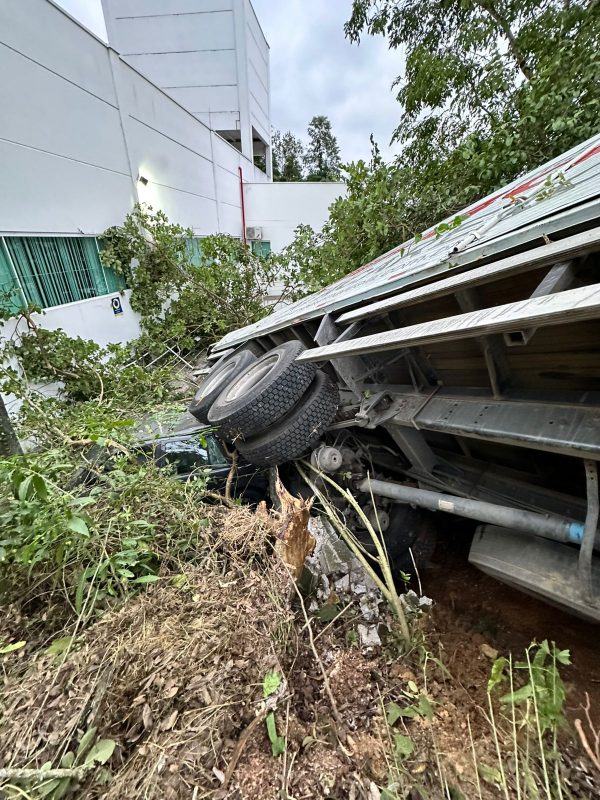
[178,120]
[211,56]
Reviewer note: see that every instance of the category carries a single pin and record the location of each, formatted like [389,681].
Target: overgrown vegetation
[155,646]
[188,294]
[186,291]
[141,624]
[490,90]
[85,519]
[83,516]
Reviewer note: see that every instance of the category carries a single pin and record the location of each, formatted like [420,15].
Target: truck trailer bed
[468,363]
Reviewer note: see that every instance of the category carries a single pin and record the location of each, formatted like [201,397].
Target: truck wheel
[263,393]
[213,384]
[422,550]
[299,429]
[408,528]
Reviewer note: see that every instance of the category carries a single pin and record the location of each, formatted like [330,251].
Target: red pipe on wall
[243,206]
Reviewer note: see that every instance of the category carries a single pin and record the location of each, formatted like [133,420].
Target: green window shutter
[194,251]
[261,248]
[11,298]
[54,270]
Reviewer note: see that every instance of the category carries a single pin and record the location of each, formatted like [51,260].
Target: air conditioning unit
[254,233]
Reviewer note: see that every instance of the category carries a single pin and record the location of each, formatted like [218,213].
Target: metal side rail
[571,429]
[573,305]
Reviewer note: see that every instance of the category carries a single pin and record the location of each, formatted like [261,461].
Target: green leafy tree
[380,209]
[188,292]
[489,90]
[151,253]
[288,155]
[322,157]
[495,86]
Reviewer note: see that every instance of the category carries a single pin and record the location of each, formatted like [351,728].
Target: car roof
[167,423]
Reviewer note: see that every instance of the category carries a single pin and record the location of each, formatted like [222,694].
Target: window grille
[10,294]
[55,270]
[261,248]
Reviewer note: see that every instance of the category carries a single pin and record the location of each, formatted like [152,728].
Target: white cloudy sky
[315,70]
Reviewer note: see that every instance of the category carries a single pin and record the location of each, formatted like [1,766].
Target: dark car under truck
[459,373]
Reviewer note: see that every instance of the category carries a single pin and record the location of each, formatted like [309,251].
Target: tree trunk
[506,30]
[9,442]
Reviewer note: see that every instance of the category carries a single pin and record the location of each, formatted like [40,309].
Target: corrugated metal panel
[553,197]
[545,255]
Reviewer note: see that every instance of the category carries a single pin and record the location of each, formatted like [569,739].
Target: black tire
[422,550]
[299,430]
[401,533]
[213,384]
[262,394]
[409,528]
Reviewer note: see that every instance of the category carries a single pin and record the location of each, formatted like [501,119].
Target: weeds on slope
[153,646]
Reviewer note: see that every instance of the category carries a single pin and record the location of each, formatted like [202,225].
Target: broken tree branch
[231,475]
[16,774]
[592,750]
[220,498]
[506,30]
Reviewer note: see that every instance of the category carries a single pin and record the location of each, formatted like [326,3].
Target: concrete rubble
[335,572]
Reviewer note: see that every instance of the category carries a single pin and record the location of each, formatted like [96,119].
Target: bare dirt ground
[510,620]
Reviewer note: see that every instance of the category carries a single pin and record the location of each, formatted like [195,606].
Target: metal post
[589,533]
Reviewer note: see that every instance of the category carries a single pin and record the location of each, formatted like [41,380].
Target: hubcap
[215,380]
[250,378]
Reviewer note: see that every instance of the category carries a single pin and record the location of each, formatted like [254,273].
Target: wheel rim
[212,382]
[250,378]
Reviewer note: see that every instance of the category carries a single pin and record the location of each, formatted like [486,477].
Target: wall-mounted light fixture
[142,179]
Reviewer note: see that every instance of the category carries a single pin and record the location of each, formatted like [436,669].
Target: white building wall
[278,208]
[96,312]
[258,67]
[63,159]
[187,47]
[81,125]
[210,55]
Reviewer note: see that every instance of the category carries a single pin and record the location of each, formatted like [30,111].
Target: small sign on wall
[117,307]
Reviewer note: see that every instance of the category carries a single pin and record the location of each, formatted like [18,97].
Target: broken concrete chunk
[369,606]
[414,604]
[368,636]
[330,553]
[342,585]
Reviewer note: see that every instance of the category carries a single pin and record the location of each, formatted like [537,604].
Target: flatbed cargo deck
[467,363]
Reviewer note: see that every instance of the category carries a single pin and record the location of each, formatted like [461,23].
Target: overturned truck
[458,373]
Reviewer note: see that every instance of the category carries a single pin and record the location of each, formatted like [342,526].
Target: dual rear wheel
[272,408]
